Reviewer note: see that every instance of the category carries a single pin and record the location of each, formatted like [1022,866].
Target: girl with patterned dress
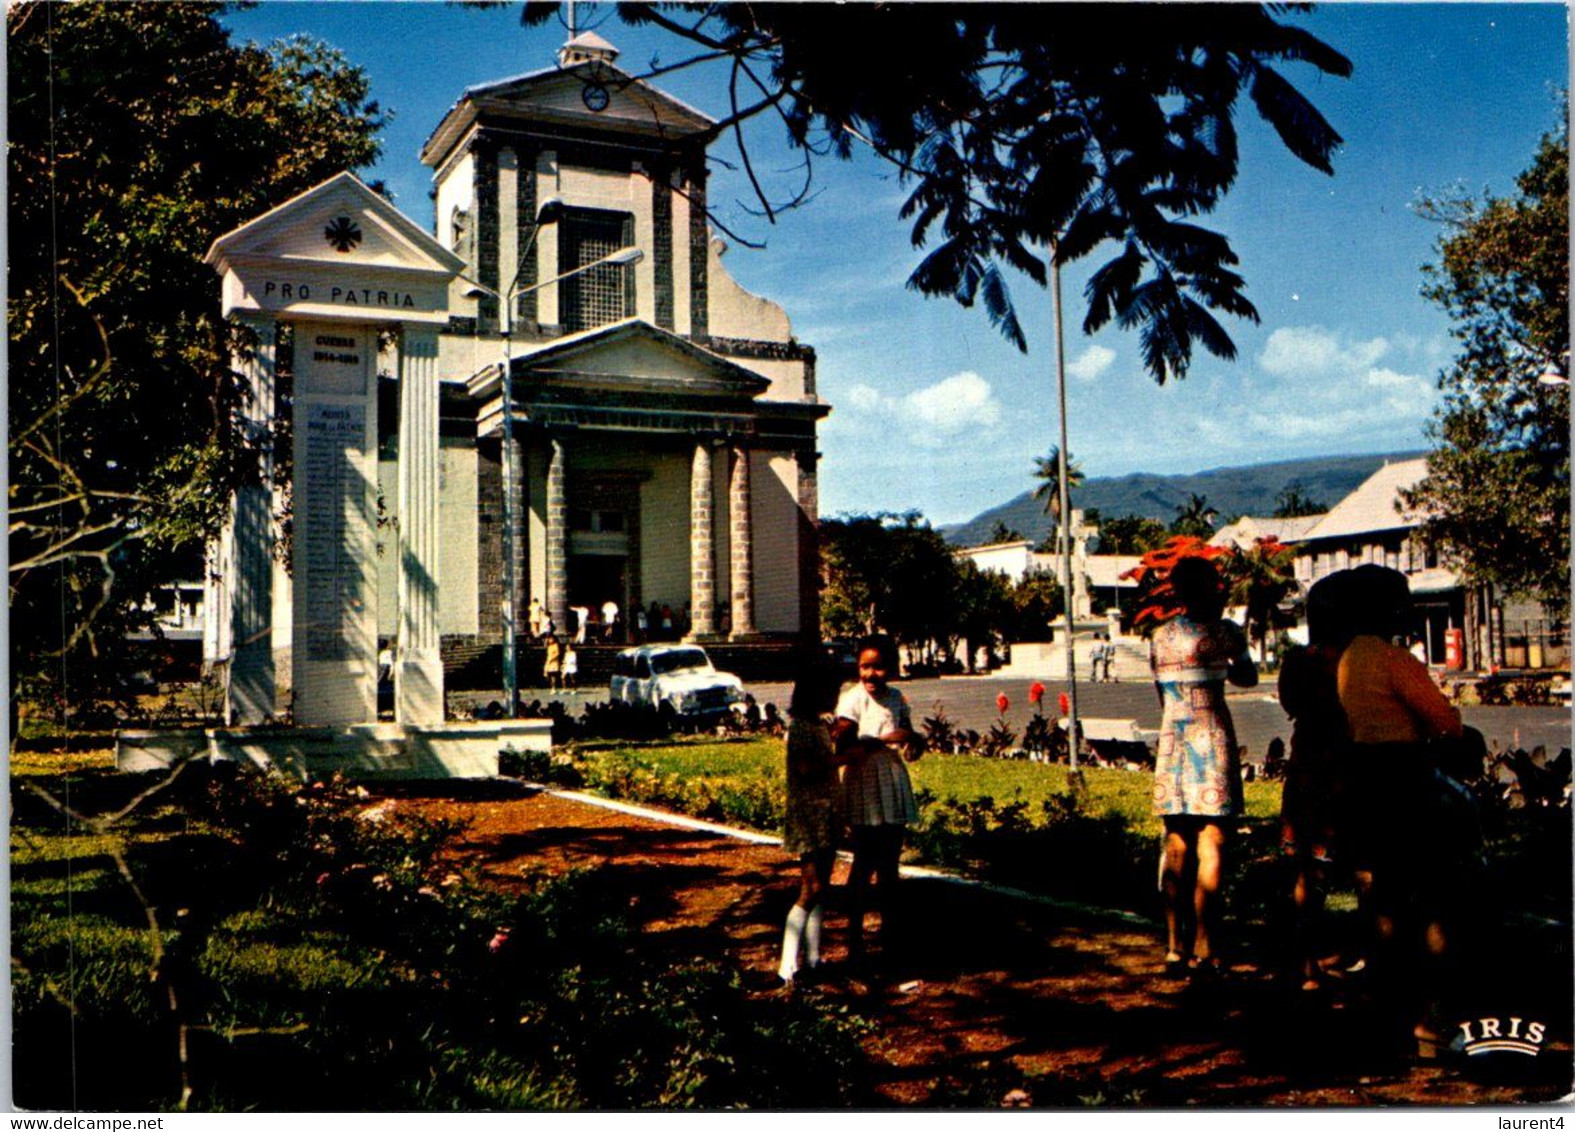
[874,733]
[1197,774]
[813,817]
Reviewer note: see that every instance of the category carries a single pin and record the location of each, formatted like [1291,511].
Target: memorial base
[371,751]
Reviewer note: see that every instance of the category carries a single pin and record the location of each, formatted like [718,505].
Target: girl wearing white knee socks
[812,820]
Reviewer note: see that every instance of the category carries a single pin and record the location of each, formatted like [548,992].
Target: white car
[676,680]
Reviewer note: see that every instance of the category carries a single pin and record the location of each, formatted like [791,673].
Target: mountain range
[1248,490]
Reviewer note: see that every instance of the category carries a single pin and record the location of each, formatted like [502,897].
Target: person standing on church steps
[610,619]
[552,666]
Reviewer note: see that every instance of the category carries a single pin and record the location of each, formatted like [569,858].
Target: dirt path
[995,991]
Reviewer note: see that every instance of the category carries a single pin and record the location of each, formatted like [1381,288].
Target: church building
[663,418]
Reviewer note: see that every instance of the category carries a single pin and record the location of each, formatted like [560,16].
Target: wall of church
[734,312]
[786,376]
[664,531]
[457,190]
[612,191]
[457,533]
[535,457]
[458,610]
[682,305]
[774,509]
[508,235]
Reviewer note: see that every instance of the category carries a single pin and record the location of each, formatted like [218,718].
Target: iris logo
[1497,1035]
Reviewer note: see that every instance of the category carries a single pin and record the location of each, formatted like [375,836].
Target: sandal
[1176,964]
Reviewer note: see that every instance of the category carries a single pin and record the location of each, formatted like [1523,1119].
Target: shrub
[1101,859]
[327,954]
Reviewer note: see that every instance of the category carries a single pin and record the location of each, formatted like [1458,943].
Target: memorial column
[418,675]
[741,525]
[702,553]
[252,680]
[557,535]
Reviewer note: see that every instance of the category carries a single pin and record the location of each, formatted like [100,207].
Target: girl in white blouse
[874,733]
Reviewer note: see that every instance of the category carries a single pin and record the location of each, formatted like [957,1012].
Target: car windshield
[679,659]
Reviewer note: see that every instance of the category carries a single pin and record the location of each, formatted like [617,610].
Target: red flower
[1064,704]
[1036,692]
[1002,703]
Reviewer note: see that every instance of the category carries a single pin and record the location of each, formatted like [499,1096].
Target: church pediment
[591,95]
[631,357]
[339,251]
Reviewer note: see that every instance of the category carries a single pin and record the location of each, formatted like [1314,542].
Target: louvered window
[603,294]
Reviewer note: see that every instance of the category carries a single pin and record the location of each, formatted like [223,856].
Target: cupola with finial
[587,47]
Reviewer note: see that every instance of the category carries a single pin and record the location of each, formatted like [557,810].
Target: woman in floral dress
[1197,776]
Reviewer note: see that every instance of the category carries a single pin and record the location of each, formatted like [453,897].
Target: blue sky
[932,409]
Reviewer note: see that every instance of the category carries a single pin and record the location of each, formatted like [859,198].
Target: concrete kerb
[919,872]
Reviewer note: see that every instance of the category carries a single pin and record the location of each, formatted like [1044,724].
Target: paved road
[970,702]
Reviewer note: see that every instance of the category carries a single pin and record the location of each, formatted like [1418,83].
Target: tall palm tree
[1195,517]
[1258,578]
[1047,469]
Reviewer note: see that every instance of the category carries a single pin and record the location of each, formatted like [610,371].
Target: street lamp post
[549,213]
[1066,518]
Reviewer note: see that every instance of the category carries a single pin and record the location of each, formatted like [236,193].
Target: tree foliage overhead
[1498,478]
[138,133]
[1019,126]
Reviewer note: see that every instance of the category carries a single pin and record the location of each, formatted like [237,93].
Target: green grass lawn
[963,778]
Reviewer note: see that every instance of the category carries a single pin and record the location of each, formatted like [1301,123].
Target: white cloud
[934,415]
[863,397]
[1092,362]
[1343,406]
[1382,377]
[1312,351]
[959,402]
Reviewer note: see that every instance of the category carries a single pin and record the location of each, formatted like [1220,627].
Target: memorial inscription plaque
[335,526]
[335,542]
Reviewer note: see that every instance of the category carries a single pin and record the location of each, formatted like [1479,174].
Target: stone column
[741,525]
[250,584]
[702,554]
[558,536]
[418,672]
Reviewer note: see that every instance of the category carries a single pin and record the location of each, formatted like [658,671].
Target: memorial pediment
[338,251]
[634,357]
